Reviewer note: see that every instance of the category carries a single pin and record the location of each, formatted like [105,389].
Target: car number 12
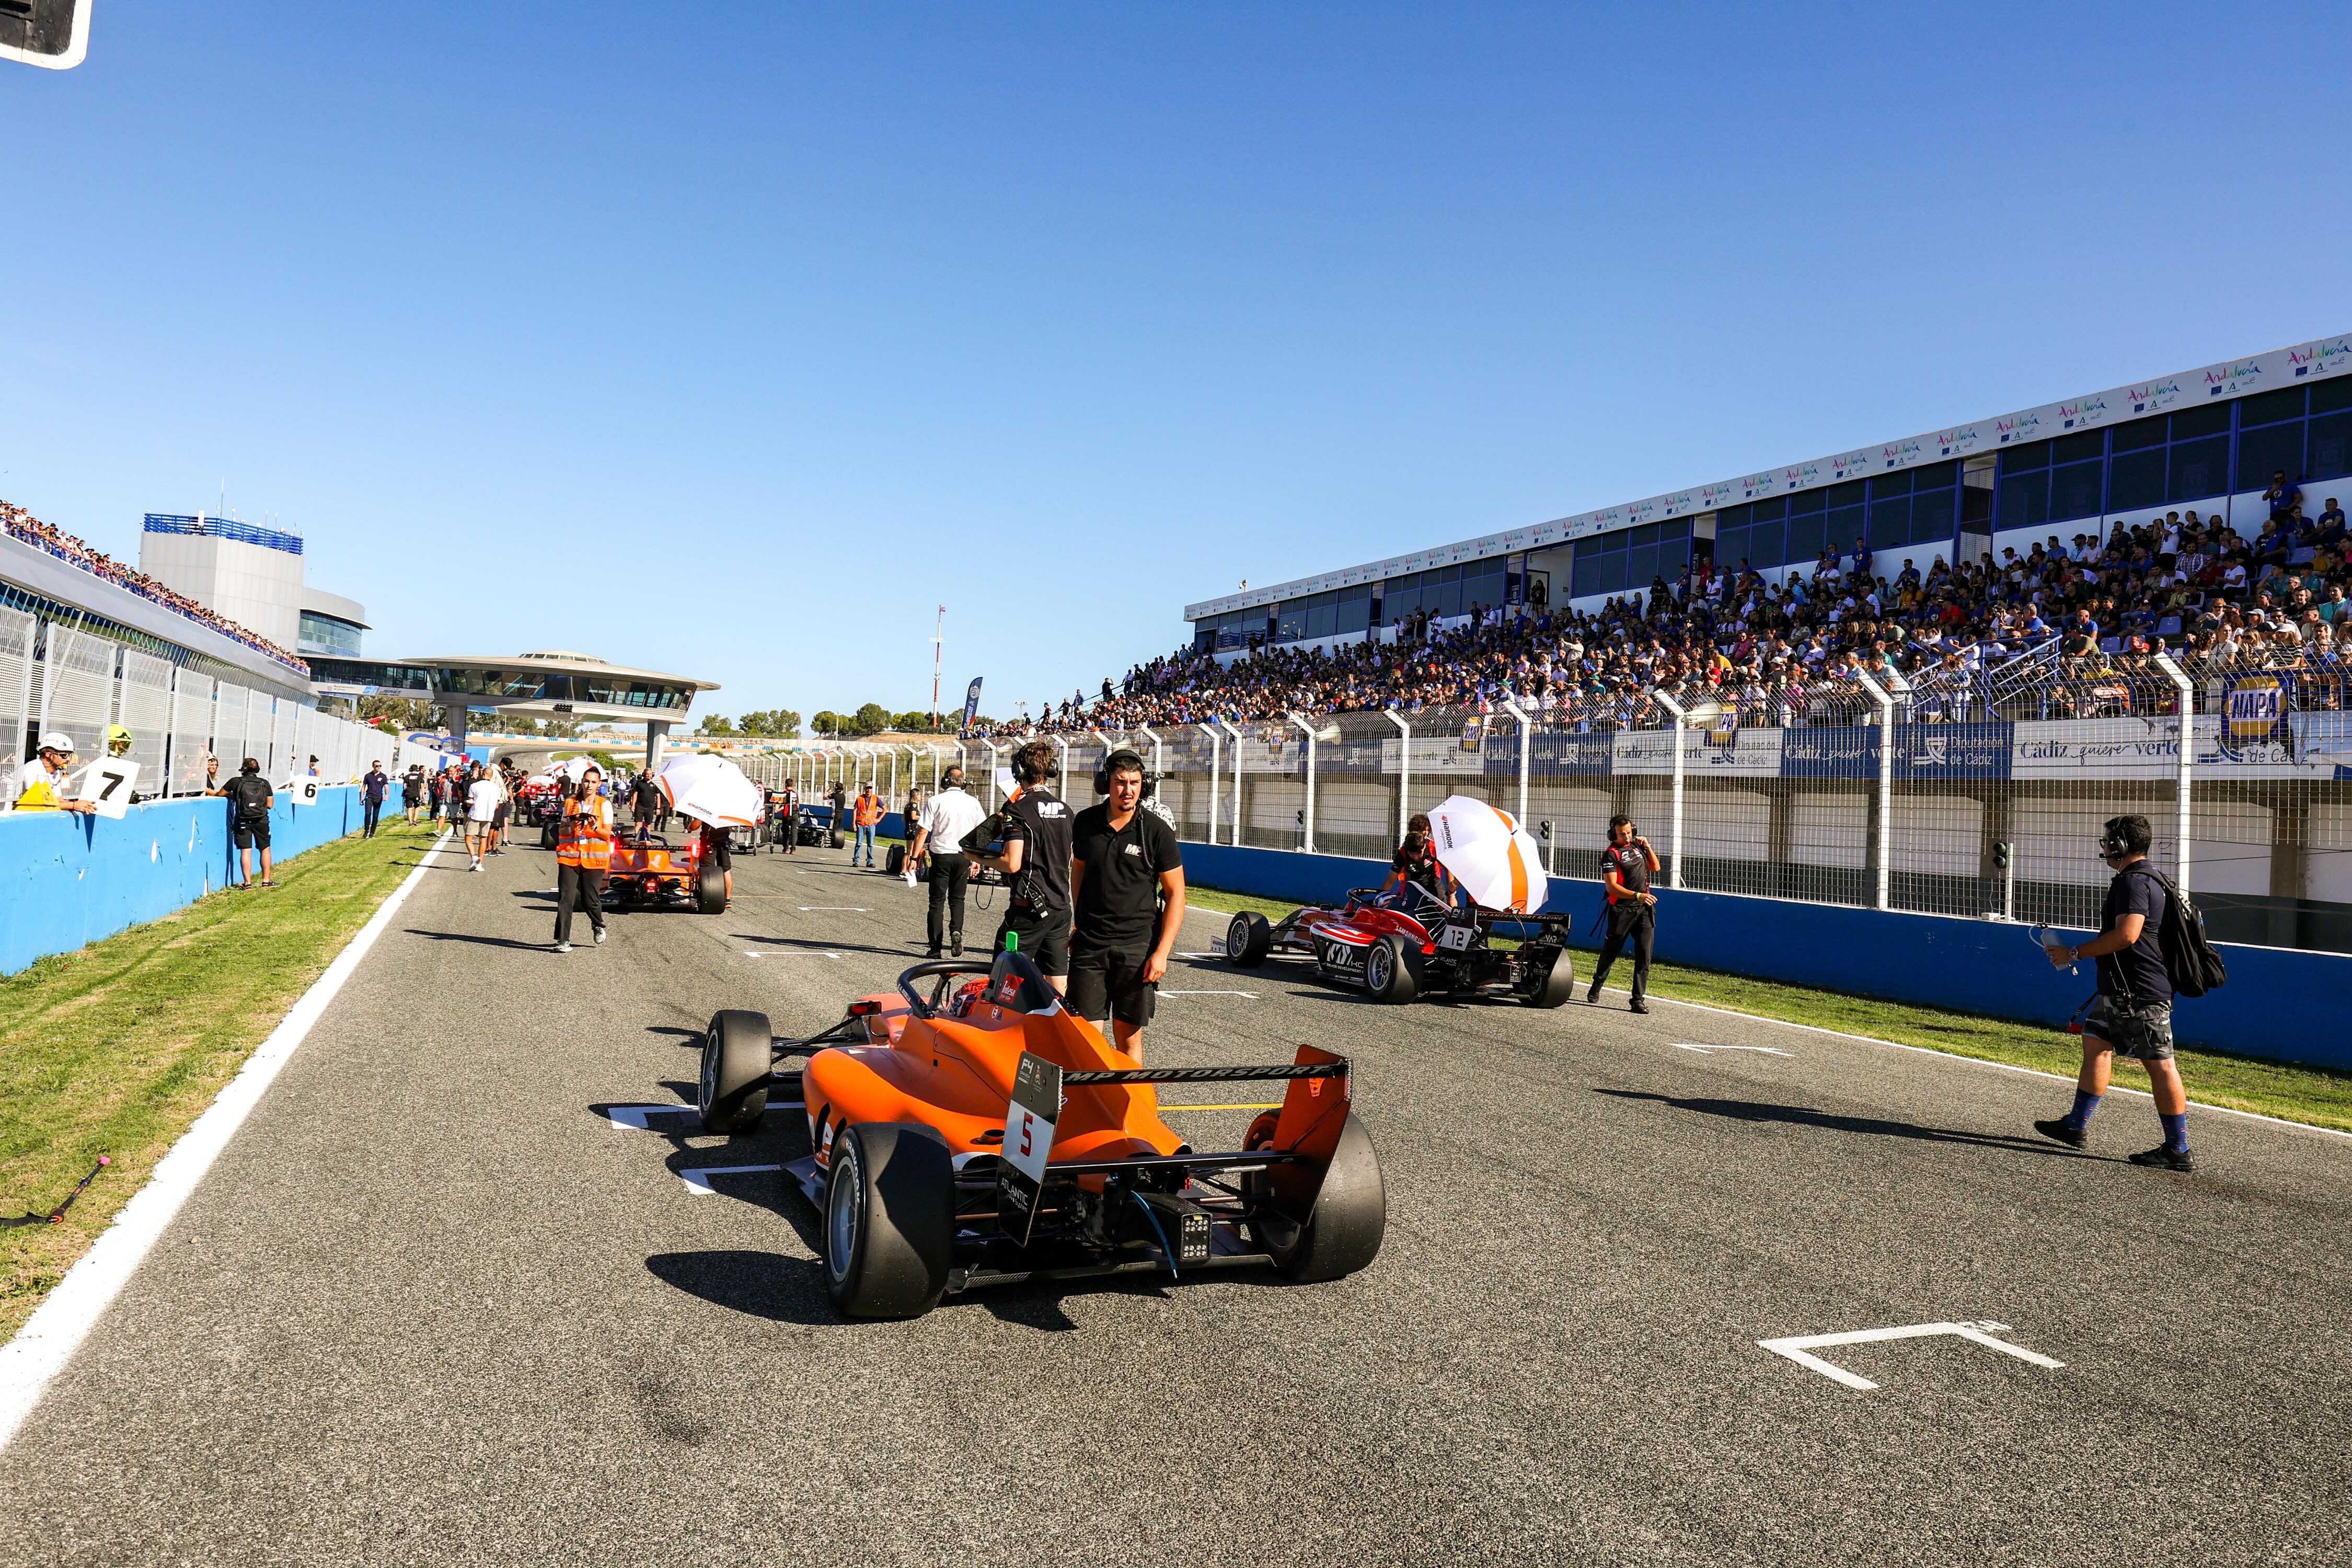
[1454,939]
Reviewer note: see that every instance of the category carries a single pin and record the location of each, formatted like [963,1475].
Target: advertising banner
[971,701]
[2255,724]
[1922,752]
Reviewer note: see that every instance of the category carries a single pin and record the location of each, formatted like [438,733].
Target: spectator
[2281,495]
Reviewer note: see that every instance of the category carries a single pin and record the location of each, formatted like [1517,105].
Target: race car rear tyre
[894,864]
[710,890]
[889,1220]
[547,836]
[1343,1230]
[1392,970]
[733,1092]
[1558,984]
[1248,939]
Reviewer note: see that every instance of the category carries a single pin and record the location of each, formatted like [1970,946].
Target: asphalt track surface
[431,1306]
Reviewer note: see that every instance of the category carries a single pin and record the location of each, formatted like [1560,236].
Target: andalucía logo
[1802,474]
[1710,495]
[2158,392]
[2082,412]
[1950,441]
[2226,379]
[1851,463]
[2332,355]
[1898,452]
[2018,428]
[1755,482]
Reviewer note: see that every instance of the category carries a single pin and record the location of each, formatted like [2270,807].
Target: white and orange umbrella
[1498,864]
[711,789]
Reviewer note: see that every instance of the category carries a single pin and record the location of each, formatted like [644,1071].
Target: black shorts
[499,817]
[251,832]
[1106,979]
[1044,939]
[721,854]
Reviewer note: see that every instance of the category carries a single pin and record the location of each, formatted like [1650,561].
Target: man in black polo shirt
[1037,863]
[250,800]
[1125,864]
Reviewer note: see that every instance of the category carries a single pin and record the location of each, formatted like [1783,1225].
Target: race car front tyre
[737,1061]
[1349,1215]
[1392,970]
[1557,984]
[889,1220]
[710,890]
[894,864]
[1248,939]
[547,836]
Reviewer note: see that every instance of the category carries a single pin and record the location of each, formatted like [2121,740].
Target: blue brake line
[1167,1254]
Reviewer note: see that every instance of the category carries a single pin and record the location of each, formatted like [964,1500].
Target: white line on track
[1709,1050]
[1981,1062]
[697,1180]
[835,909]
[793,952]
[1796,1346]
[634,1116]
[1251,994]
[58,1327]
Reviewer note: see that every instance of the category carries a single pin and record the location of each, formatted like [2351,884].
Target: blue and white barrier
[2280,1003]
[71,879]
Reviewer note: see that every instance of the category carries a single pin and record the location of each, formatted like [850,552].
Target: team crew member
[1626,867]
[2133,1010]
[1415,865]
[1126,892]
[952,814]
[412,793]
[839,800]
[646,803]
[1036,865]
[374,784]
[789,807]
[583,849]
[41,782]
[866,813]
[499,816]
[249,799]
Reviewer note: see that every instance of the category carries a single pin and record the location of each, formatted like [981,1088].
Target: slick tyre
[1556,986]
[1248,939]
[894,864]
[1392,970]
[710,890]
[736,1062]
[547,835]
[889,1220]
[1346,1222]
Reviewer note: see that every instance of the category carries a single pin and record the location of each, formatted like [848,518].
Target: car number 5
[1025,1119]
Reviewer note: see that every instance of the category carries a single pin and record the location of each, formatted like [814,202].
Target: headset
[1117,762]
[2116,838]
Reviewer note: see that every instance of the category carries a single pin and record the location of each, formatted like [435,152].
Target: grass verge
[116,1048]
[2316,1095]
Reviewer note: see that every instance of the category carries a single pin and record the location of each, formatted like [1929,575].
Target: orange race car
[648,870]
[981,1134]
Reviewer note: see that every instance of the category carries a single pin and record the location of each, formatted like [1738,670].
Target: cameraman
[2133,1010]
[952,814]
[1037,863]
[249,799]
[1127,875]
[1626,867]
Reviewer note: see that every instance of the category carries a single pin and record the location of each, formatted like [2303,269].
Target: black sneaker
[2165,1159]
[955,949]
[2060,1130]
[1639,1006]
[933,956]
[1592,997]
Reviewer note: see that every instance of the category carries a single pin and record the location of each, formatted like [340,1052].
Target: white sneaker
[475,867]
[563,947]
[600,936]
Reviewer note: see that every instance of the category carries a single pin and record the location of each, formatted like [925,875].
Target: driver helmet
[117,740]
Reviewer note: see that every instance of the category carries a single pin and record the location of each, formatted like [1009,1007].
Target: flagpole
[938,627]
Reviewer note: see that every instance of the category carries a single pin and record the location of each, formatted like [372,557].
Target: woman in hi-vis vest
[584,849]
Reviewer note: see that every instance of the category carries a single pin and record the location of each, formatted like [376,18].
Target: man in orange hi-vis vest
[584,849]
[866,814]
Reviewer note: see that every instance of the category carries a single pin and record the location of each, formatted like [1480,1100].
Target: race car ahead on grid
[980,1134]
[1421,942]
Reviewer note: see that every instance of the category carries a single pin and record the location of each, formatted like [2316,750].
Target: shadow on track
[810,944]
[482,941]
[1879,1127]
[757,1284]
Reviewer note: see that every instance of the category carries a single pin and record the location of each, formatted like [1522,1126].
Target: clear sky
[732,338]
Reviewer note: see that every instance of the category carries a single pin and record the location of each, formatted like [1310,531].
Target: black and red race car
[1418,945]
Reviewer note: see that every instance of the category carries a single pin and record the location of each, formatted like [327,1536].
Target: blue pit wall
[2280,1004]
[78,878]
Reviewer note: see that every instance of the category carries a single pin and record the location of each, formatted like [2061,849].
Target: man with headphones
[2133,1010]
[952,814]
[1126,891]
[1036,865]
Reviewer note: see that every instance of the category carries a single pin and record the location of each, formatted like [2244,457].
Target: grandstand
[1913,676]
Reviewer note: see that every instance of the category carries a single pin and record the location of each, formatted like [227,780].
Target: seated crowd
[22,525]
[2062,630]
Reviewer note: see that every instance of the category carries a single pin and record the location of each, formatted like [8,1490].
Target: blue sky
[731,340]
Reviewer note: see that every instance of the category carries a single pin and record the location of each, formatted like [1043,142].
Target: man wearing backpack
[2133,1010]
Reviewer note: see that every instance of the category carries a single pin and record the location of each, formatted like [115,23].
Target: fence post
[1884,850]
[1158,762]
[1062,759]
[1405,771]
[1236,734]
[1527,739]
[1215,746]
[2188,690]
[1675,814]
[1309,816]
